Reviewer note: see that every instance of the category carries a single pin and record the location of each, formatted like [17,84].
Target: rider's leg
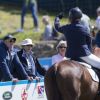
[92,60]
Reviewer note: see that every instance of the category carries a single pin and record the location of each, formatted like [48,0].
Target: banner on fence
[25,90]
[22,90]
[45,62]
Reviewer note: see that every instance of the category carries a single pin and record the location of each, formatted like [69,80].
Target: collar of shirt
[60,56]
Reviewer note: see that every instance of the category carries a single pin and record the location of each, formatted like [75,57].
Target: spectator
[85,20]
[97,39]
[61,50]
[50,32]
[10,67]
[47,35]
[32,5]
[29,61]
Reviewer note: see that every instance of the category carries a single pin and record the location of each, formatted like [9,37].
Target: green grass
[10,22]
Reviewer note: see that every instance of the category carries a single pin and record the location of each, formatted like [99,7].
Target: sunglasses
[62,47]
[12,41]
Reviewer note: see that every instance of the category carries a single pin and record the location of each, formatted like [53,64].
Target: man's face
[9,43]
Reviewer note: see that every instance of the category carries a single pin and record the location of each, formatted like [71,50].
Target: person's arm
[57,25]
[16,62]
[7,76]
[89,42]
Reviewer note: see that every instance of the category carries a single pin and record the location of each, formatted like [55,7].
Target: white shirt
[85,20]
[30,61]
[47,32]
[57,58]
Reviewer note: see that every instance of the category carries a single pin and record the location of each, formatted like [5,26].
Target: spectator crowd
[25,65]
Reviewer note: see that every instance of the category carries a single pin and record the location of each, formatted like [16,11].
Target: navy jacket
[10,66]
[78,38]
[38,67]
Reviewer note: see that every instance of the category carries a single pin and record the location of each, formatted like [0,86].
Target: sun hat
[9,37]
[62,42]
[27,42]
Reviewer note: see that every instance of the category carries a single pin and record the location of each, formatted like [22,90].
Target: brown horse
[69,80]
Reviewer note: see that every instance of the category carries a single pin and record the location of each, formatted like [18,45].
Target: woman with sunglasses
[28,60]
[61,50]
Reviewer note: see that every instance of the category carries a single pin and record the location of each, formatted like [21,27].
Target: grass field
[10,22]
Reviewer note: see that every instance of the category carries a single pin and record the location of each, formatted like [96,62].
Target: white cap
[27,42]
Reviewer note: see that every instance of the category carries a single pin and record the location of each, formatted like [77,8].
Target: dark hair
[75,13]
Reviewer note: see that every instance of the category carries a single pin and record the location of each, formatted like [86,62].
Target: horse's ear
[39,68]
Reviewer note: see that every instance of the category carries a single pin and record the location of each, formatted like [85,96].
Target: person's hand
[30,78]
[37,78]
[15,80]
[60,15]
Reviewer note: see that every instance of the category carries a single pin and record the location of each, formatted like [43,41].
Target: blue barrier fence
[45,62]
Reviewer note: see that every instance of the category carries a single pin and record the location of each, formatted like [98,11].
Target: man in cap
[10,67]
[29,61]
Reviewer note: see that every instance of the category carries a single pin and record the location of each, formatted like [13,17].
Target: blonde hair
[60,43]
[46,19]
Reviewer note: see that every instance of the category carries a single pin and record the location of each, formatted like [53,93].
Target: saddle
[97,72]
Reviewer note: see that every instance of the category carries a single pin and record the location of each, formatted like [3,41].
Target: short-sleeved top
[57,58]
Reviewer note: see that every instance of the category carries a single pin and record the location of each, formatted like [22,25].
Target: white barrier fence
[25,90]
[22,90]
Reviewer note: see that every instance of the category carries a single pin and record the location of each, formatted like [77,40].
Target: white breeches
[92,60]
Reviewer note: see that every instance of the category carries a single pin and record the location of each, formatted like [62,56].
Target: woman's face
[27,48]
[62,49]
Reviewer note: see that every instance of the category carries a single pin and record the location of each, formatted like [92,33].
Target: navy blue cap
[9,37]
